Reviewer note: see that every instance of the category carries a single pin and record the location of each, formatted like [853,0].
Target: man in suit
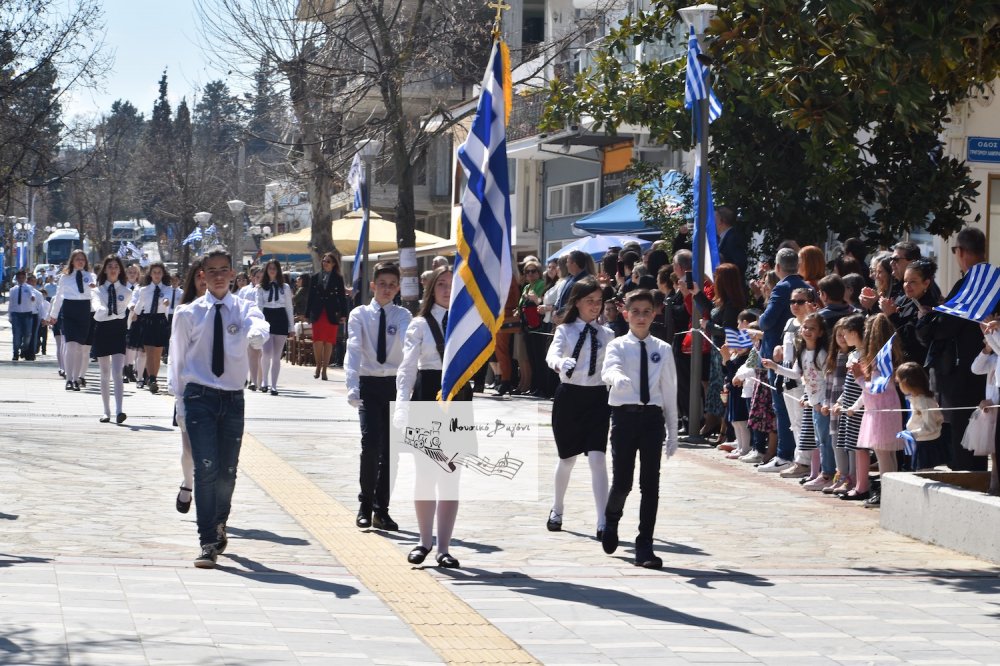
[772,322]
[732,244]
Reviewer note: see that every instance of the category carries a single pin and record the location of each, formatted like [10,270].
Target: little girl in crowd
[737,406]
[926,420]
[880,424]
[761,420]
[836,375]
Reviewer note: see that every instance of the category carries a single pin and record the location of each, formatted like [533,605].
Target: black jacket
[331,300]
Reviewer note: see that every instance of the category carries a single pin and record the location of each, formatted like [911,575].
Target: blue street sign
[984,149]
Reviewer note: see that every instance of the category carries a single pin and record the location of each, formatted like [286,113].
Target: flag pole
[694,403]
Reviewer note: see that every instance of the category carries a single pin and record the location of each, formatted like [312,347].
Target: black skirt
[155,330]
[428,385]
[580,419]
[109,337]
[133,339]
[278,319]
[76,320]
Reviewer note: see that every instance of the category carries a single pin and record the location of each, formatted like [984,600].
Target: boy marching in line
[640,370]
[374,352]
[210,341]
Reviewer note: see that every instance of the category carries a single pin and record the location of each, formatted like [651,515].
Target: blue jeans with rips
[214,421]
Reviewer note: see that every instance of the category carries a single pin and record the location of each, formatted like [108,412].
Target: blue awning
[622,215]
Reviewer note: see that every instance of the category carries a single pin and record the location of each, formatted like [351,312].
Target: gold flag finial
[501,7]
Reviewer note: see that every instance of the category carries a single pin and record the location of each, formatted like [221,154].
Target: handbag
[530,317]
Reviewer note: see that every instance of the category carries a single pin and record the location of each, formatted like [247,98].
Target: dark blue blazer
[733,249]
[777,312]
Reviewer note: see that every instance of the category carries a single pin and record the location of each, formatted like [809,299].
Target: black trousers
[641,430]
[376,394]
[682,362]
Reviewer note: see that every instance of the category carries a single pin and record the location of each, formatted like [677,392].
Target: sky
[146,36]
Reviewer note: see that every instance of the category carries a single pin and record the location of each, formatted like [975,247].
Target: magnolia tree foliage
[832,110]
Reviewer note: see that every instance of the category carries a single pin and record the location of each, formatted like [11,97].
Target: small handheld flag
[883,363]
[978,296]
[737,339]
[193,237]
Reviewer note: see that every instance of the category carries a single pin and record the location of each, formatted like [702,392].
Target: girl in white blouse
[580,413]
[419,378]
[110,304]
[249,293]
[151,305]
[274,298]
[73,301]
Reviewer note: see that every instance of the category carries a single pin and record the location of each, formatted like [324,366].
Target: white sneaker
[796,471]
[776,465]
[753,457]
[819,483]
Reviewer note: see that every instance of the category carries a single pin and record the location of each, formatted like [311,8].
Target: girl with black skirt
[135,357]
[150,306]
[109,302]
[580,413]
[274,298]
[73,302]
[419,376]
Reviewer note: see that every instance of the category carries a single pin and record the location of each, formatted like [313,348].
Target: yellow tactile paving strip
[447,624]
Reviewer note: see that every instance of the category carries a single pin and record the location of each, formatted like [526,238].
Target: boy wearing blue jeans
[209,365]
[640,370]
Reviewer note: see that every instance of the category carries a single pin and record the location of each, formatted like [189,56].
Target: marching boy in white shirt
[375,333]
[209,366]
[639,368]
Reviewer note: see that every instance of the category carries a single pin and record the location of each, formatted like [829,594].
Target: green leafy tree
[832,110]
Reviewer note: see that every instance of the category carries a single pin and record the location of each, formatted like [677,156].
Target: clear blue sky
[145,37]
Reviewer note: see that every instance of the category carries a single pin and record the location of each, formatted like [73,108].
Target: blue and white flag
[356,179]
[737,339]
[3,262]
[212,232]
[483,270]
[883,363]
[978,296]
[132,250]
[193,237]
[909,443]
[696,88]
[122,250]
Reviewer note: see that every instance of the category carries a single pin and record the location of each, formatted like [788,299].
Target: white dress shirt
[621,373]
[361,358]
[42,306]
[247,292]
[265,299]
[194,334]
[142,299]
[68,290]
[99,301]
[420,352]
[26,305]
[563,343]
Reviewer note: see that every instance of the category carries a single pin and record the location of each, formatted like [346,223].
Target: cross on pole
[501,7]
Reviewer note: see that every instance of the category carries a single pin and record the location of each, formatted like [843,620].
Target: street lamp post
[699,17]
[236,207]
[368,150]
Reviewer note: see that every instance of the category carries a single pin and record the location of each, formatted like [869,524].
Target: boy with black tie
[374,351]
[209,366]
[640,370]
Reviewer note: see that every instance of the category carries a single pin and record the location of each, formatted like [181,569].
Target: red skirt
[324,331]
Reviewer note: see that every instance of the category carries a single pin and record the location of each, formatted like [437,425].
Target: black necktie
[218,353]
[593,351]
[579,347]
[272,292]
[156,301]
[79,281]
[444,324]
[643,374]
[112,300]
[380,349]
[20,293]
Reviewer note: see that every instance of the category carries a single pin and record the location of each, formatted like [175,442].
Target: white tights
[84,360]
[271,356]
[253,355]
[60,352]
[111,372]
[742,436]
[74,360]
[598,483]
[447,512]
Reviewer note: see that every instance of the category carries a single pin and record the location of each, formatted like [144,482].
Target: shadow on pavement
[154,428]
[985,581]
[8,516]
[406,536]
[10,560]
[613,600]
[263,574]
[264,535]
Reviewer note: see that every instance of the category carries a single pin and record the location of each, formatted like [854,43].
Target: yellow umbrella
[346,233]
[296,242]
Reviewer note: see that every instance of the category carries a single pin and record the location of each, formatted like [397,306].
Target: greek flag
[212,232]
[132,250]
[122,250]
[736,339]
[978,296]
[193,237]
[356,179]
[483,272]
[909,443]
[883,363]
[696,88]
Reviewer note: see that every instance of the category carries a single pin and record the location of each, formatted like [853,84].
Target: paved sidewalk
[95,563]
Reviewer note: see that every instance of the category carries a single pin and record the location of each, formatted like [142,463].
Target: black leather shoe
[121,417]
[183,507]
[446,561]
[609,540]
[648,562]
[105,419]
[382,521]
[873,502]
[418,555]
[855,498]
[554,523]
[364,519]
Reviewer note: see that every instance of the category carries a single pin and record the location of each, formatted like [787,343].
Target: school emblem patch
[391,330]
[121,297]
[655,357]
[233,329]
